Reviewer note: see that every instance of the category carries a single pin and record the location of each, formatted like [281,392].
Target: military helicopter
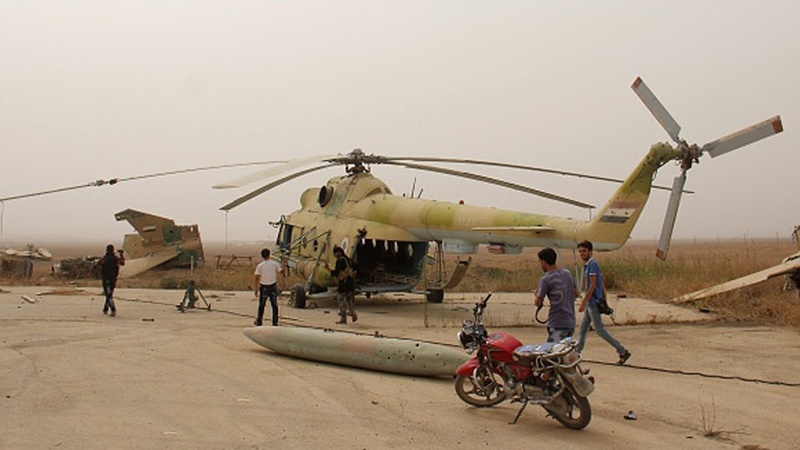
[388,237]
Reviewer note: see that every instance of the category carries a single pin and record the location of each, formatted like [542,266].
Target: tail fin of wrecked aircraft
[612,226]
[153,229]
[159,236]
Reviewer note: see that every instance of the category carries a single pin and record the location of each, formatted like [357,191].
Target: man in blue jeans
[266,286]
[558,286]
[595,289]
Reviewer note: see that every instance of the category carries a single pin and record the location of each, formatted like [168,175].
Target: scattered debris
[631,415]
[64,291]
[30,252]
[159,242]
[29,299]
[17,267]
[77,267]
[290,318]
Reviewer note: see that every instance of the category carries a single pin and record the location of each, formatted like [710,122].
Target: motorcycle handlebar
[481,304]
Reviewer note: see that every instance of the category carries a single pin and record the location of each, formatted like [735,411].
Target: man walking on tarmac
[345,289]
[109,270]
[558,286]
[595,289]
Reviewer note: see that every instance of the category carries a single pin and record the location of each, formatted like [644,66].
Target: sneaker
[257,323]
[355,316]
[105,311]
[623,357]
[113,313]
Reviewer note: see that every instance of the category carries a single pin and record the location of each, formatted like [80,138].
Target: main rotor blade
[271,171]
[53,191]
[269,186]
[657,109]
[744,137]
[495,181]
[669,218]
[515,166]
[112,181]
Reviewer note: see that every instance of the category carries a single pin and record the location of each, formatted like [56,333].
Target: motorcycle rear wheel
[573,412]
[483,390]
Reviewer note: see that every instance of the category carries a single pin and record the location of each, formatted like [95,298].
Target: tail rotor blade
[672,213]
[657,109]
[744,137]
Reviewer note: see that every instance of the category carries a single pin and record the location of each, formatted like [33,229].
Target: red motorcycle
[548,374]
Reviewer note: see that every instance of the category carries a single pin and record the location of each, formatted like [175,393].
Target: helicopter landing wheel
[298,297]
[435,295]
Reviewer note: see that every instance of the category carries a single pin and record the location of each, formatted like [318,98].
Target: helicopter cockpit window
[325,195]
[285,236]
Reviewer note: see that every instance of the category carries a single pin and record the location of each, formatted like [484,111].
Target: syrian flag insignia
[619,212]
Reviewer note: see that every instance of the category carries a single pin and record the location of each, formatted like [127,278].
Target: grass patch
[632,270]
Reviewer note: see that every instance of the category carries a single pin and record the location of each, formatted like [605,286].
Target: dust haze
[95,90]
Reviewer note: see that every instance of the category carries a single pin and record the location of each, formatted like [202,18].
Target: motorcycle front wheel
[484,389]
[571,410]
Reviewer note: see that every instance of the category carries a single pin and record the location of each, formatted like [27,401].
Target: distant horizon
[16,242]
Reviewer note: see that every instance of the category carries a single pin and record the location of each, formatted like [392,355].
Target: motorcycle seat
[532,350]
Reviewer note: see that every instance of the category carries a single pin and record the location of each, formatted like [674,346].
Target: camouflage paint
[159,236]
[363,203]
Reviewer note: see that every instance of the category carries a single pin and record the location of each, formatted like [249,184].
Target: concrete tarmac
[153,377]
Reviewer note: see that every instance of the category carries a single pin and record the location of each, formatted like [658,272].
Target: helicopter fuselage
[388,236]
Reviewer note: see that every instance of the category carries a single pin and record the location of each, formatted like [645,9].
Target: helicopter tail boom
[612,226]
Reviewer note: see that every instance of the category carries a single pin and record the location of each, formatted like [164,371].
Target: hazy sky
[97,89]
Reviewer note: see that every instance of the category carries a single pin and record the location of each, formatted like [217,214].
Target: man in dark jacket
[345,289]
[109,270]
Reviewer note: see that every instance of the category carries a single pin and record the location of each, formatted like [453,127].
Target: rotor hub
[690,154]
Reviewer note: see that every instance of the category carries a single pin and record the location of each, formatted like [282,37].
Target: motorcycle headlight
[466,338]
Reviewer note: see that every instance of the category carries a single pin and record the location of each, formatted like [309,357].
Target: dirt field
[152,377]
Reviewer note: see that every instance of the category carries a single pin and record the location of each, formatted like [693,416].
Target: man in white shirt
[266,285]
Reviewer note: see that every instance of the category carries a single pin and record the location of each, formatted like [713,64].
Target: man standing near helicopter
[558,286]
[346,287]
[266,283]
